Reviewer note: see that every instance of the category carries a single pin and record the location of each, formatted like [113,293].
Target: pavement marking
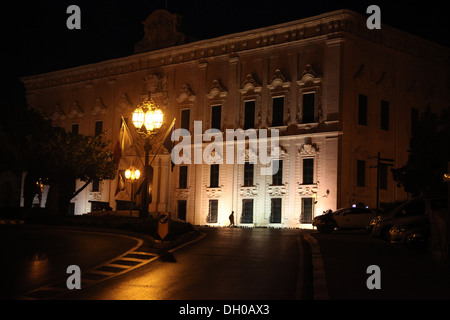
[320,282]
[119,265]
[100,273]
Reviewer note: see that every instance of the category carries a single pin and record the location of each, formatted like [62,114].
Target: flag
[167,142]
[120,182]
[124,141]
[141,187]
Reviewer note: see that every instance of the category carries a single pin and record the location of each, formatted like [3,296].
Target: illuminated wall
[313,69]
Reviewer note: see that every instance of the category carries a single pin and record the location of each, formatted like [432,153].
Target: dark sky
[35,38]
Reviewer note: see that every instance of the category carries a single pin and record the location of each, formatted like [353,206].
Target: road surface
[227,264]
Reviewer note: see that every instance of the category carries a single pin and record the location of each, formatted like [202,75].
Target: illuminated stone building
[338,92]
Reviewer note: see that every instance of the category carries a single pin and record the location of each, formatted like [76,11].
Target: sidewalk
[341,261]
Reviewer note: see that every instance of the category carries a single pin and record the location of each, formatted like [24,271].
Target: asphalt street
[227,264]
[35,256]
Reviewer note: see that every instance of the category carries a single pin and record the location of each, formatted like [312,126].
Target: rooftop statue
[161,31]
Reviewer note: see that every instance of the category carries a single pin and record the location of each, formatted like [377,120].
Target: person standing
[231,217]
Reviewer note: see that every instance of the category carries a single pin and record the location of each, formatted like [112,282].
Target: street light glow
[147,117]
[132,174]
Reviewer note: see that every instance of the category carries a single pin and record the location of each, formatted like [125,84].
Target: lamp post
[132,175]
[147,119]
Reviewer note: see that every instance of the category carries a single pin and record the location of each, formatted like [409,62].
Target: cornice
[329,26]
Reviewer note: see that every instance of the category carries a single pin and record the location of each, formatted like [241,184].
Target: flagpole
[164,139]
[133,144]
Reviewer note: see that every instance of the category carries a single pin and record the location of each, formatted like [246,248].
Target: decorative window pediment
[58,114]
[250,91]
[124,105]
[76,111]
[363,76]
[308,149]
[278,81]
[249,191]
[186,94]
[250,85]
[307,190]
[386,84]
[214,192]
[248,155]
[309,77]
[279,112]
[217,91]
[278,152]
[99,107]
[276,191]
[310,86]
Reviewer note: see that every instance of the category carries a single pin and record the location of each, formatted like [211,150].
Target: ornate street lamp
[132,175]
[147,119]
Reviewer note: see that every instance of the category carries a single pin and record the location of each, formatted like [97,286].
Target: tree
[60,158]
[429,154]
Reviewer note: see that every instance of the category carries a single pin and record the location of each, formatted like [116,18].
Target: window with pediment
[278,106]
[215,117]
[250,111]
[310,97]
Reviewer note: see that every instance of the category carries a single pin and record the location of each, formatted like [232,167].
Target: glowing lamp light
[132,174]
[446,177]
[148,117]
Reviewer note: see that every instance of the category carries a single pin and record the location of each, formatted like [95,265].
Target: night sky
[35,38]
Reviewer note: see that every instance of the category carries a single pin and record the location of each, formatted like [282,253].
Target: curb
[319,279]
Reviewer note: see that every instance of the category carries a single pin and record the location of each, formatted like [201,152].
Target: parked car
[413,233]
[345,218]
[405,214]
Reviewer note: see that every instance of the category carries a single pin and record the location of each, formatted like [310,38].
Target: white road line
[107,274]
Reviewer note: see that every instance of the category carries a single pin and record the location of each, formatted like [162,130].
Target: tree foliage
[429,154]
[62,158]
[53,156]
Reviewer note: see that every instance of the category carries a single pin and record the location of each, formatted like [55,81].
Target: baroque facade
[338,92]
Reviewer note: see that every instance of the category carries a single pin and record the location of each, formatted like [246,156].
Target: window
[214,176]
[308,171]
[98,127]
[307,210]
[249,115]
[95,185]
[216,114]
[182,209]
[275,214]
[182,178]
[185,119]
[360,173]
[213,210]
[362,110]
[308,107]
[248,174]
[277,178]
[75,128]
[247,211]
[384,115]
[277,111]
[383,176]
